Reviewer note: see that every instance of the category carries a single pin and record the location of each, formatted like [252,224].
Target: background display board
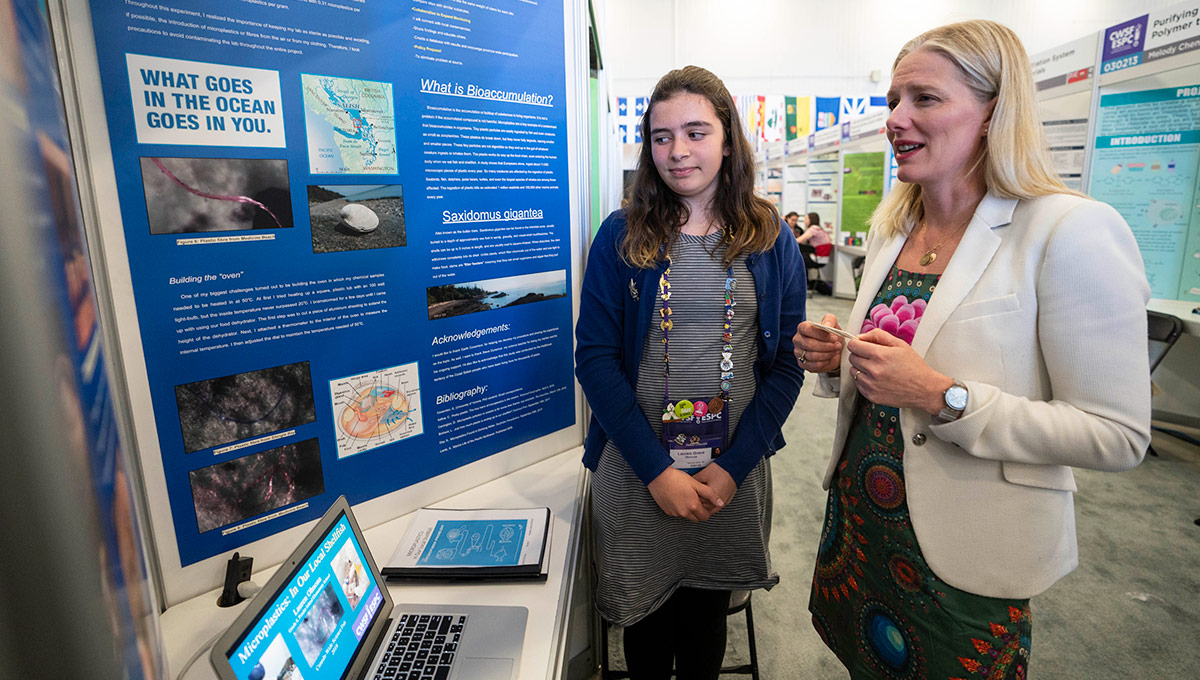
[1165,33]
[1068,142]
[823,187]
[1144,164]
[862,189]
[348,234]
[1065,77]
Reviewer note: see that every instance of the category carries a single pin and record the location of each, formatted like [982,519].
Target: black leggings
[689,630]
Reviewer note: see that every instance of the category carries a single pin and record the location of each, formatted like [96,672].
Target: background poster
[347,225]
[862,189]
[1068,140]
[1145,166]
[823,188]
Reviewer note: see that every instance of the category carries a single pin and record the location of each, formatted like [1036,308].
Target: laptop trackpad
[474,668]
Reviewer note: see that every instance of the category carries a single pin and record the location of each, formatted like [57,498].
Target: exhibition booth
[286,252]
[313,250]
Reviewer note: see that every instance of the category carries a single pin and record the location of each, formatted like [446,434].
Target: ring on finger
[856,373]
[801,357]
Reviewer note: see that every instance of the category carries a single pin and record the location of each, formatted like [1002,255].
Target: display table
[557,483]
[843,270]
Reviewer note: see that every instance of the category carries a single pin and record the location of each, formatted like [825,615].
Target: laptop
[326,614]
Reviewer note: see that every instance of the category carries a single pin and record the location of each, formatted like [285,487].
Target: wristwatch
[955,399]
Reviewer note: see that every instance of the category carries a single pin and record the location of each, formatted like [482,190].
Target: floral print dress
[875,602]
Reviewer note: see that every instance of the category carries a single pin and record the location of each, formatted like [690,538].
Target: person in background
[792,219]
[815,245]
[684,354]
[814,235]
[982,371]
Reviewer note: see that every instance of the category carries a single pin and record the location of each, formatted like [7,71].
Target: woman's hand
[817,350]
[889,372]
[681,495]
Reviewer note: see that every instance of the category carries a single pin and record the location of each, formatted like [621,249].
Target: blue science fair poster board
[1144,164]
[347,225]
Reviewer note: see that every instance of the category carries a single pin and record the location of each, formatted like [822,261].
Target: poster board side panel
[87,125]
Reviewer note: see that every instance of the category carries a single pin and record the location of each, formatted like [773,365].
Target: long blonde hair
[1016,159]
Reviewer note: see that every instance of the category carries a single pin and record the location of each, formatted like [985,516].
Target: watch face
[956,397]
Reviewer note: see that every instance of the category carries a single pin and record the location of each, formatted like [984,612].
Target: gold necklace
[931,254]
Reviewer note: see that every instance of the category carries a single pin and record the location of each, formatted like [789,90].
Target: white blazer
[1041,313]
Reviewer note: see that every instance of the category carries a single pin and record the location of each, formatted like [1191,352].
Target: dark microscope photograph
[235,490]
[221,410]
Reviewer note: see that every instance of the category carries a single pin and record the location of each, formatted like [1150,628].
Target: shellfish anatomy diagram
[376,408]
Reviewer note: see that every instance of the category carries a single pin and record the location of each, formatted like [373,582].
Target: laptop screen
[316,621]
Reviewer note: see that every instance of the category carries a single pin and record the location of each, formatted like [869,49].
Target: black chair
[739,600]
[856,268]
[811,265]
[1162,330]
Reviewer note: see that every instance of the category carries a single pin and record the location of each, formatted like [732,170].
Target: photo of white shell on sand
[356,216]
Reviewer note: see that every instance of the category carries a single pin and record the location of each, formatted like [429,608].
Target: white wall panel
[818,46]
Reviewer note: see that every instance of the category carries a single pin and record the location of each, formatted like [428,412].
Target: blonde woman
[1001,340]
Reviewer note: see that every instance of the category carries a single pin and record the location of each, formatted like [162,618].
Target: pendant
[927,258]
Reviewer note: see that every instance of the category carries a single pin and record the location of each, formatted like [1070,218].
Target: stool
[739,600]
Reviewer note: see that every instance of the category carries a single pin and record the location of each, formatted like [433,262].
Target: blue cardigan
[614,316]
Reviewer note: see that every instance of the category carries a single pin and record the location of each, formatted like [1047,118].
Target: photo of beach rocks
[481,296]
[356,217]
[187,195]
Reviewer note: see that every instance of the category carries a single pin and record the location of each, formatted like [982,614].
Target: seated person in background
[792,219]
[814,235]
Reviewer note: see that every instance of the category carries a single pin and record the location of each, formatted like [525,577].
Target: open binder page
[491,541]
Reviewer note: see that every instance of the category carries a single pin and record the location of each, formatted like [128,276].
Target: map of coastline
[351,125]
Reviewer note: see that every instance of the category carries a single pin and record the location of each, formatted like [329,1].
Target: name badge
[694,432]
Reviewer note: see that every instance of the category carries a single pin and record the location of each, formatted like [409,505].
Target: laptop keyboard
[422,648]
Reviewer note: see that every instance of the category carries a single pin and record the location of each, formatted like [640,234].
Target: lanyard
[665,323]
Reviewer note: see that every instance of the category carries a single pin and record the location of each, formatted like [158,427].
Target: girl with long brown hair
[682,351]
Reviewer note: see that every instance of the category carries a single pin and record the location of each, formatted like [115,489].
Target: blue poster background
[290,357]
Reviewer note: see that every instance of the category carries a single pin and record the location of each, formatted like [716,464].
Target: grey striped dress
[641,554]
